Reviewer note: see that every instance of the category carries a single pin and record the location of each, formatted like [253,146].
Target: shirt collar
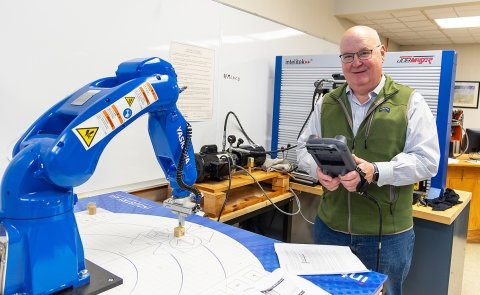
[373,94]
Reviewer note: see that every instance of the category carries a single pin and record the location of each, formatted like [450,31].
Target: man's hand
[328,182]
[366,167]
[350,180]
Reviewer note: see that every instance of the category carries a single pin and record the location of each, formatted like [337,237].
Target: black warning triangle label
[87,134]
[129,100]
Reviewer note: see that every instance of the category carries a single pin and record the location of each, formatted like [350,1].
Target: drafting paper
[280,282]
[142,250]
[311,259]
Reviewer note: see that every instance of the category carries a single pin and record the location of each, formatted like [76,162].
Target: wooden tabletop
[314,190]
[445,217]
[463,161]
[237,209]
[247,193]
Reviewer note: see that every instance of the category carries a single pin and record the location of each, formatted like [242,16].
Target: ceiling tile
[408,35]
[430,33]
[421,24]
[412,18]
[398,30]
[462,40]
[360,19]
[411,27]
[471,10]
[416,42]
[474,30]
[437,42]
[377,27]
[457,32]
[395,26]
[439,39]
[402,14]
[378,15]
[391,20]
[440,13]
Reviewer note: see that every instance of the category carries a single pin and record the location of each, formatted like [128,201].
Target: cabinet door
[467,179]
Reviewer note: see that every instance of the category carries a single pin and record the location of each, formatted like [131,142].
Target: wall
[45,56]
[468,65]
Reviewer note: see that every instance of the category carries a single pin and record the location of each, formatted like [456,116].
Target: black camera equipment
[214,165]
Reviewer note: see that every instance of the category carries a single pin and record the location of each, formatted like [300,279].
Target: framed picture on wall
[465,94]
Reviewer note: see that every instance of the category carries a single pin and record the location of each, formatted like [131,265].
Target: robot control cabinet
[40,247]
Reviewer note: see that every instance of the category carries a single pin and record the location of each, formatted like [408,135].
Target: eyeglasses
[364,54]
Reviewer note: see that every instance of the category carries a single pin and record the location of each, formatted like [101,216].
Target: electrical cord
[258,153]
[227,194]
[265,194]
[317,91]
[380,225]
[301,213]
[181,163]
[362,187]
[224,141]
[297,200]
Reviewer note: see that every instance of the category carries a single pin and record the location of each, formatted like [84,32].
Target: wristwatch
[375,173]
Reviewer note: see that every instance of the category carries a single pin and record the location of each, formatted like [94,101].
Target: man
[392,134]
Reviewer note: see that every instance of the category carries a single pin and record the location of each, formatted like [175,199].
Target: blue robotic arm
[41,249]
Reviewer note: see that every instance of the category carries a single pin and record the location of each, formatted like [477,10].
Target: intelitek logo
[415,59]
[298,61]
[361,278]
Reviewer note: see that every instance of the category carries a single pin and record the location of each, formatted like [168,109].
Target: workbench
[463,174]
[262,247]
[246,199]
[439,253]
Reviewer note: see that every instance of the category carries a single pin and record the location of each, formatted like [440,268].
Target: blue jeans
[395,256]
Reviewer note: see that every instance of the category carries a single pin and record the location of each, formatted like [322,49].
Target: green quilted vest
[379,138]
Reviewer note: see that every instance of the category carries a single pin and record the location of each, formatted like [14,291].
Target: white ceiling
[417,26]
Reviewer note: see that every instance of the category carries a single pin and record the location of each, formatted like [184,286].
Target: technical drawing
[143,251]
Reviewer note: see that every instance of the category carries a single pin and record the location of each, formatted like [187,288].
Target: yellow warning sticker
[87,134]
[130,100]
[107,121]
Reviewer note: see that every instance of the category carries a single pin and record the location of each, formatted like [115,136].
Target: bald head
[360,33]
[365,73]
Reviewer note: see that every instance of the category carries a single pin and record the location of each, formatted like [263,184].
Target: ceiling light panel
[459,22]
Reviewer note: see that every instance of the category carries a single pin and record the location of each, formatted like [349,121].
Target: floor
[471,271]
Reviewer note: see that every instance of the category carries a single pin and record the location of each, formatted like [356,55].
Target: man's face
[362,75]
